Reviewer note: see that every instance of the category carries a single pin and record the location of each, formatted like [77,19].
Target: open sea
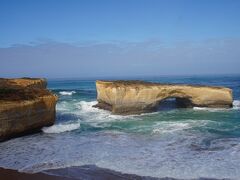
[177,143]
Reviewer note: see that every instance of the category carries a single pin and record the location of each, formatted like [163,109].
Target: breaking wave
[88,106]
[209,109]
[59,128]
[236,104]
[67,93]
[99,117]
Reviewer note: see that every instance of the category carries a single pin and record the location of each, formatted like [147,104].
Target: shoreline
[85,172]
[10,174]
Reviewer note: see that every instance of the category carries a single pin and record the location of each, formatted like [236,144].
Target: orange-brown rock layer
[134,97]
[25,106]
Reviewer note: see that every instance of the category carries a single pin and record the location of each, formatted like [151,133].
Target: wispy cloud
[150,57]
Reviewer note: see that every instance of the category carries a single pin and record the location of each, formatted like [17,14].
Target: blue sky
[106,20]
[142,27]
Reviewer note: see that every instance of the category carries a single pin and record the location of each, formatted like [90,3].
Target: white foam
[88,106]
[236,104]
[59,128]
[200,108]
[97,117]
[67,93]
[170,127]
[88,110]
[210,109]
[62,106]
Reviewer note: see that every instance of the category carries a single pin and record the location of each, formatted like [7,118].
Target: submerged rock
[134,97]
[25,106]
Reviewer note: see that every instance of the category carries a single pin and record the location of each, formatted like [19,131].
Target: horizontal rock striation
[134,97]
[25,106]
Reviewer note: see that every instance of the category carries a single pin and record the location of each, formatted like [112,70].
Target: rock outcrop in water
[25,106]
[134,97]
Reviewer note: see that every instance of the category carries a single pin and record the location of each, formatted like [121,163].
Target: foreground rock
[134,97]
[25,106]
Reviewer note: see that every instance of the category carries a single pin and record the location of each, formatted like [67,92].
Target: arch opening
[174,103]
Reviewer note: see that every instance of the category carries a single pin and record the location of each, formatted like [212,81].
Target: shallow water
[179,143]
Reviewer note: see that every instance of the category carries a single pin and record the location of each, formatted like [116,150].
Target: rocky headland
[135,97]
[25,106]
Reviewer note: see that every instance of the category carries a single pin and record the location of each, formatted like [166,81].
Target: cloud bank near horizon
[115,59]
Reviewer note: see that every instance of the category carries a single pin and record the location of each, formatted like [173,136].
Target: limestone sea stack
[135,97]
[25,106]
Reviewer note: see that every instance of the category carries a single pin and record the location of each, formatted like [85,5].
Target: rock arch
[134,97]
[173,103]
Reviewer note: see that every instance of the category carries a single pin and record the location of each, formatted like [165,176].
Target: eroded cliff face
[134,97]
[25,106]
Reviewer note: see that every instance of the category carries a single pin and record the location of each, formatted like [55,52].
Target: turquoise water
[180,143]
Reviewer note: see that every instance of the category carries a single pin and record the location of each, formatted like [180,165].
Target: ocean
[178,143]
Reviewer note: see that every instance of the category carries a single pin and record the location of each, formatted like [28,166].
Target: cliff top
[147,83]
[23,83]
[22,89]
